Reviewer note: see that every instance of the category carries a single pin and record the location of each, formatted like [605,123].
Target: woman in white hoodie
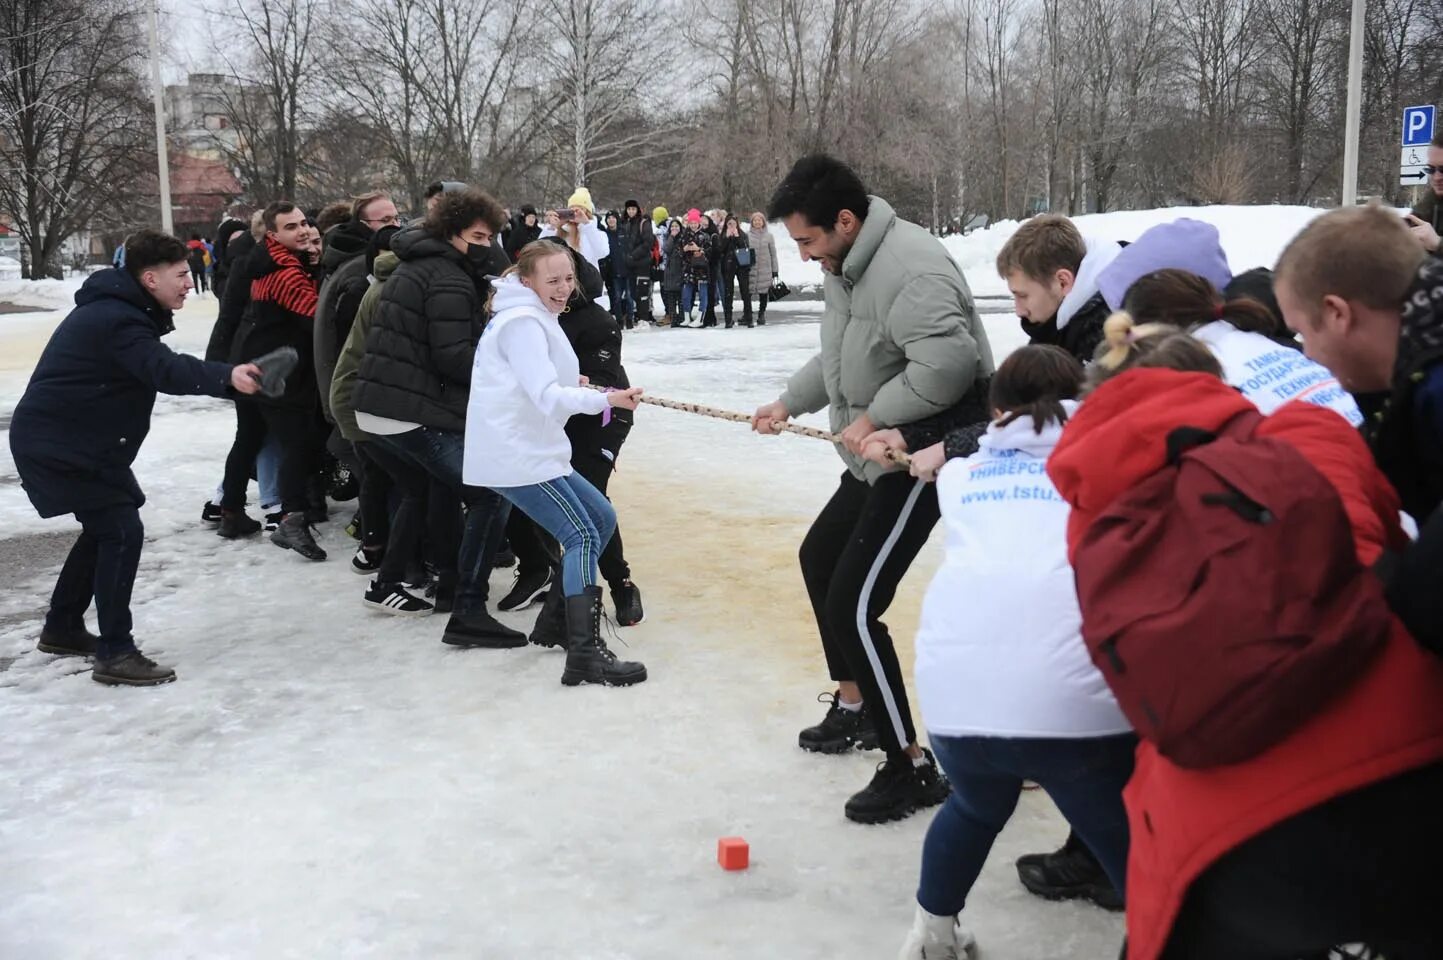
[525,384]
[1007,690]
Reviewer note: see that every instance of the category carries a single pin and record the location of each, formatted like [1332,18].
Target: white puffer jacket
[524,387]
[999,650]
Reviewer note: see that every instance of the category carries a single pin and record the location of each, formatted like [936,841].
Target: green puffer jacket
[900,336]
[348,364]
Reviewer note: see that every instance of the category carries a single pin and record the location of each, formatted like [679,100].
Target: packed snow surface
[327,782]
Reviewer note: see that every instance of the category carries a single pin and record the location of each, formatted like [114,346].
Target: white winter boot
[937,938]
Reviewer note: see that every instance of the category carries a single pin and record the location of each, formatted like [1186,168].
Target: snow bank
[42,294]
[1252,236]
[794,271]
[9,268]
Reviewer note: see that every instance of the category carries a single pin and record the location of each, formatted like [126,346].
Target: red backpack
[1222,597]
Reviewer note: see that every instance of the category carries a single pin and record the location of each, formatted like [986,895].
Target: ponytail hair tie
[1218,312]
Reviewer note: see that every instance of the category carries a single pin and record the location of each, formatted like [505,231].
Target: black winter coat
[233,300]
[637,239]
[728,247]
[281,313]
[422,340]
[596,338]
[1080,337]
[346,279]
[84,415]
[520,236]
[220,253]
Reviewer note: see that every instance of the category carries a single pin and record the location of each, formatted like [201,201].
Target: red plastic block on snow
[733,853]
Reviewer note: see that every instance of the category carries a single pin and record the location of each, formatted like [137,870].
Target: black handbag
[779,290]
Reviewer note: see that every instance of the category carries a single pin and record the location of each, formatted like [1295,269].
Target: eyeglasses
[1431,171]
[391,221]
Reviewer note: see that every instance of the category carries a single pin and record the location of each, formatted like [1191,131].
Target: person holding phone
[1425,221]
[576,224]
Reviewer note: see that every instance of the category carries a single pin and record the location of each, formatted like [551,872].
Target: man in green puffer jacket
[901,342]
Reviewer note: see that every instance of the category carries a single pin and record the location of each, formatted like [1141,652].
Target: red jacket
[1390,721]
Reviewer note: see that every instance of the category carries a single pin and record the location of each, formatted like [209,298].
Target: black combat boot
[587,658]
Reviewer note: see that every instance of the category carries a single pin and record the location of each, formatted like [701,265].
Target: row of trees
[951,108]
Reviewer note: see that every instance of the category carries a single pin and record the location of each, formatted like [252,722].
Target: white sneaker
[937,938]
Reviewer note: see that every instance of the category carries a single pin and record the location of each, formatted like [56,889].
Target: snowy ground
[324,782]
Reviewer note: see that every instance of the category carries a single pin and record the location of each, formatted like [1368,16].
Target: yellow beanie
[659,215]
[582,198]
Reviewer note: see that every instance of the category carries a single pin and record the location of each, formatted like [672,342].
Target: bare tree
[271,93]
[1296,76]
[598,52]
[72,118]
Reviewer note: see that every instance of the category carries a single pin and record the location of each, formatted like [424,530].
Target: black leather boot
[587,658]
[550,628]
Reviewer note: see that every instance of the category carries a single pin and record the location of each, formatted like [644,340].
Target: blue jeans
[439,452]
[1084,778]
[689,290]
[268,476]
[621,300]
[577,515]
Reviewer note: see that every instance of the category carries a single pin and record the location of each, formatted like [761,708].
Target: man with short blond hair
[1051,272]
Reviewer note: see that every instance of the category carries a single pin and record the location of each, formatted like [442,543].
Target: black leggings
[854,556]
[1358,869]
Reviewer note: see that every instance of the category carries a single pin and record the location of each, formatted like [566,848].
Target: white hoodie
[1100,254]
[524,387]
[1270,374]
[999,650]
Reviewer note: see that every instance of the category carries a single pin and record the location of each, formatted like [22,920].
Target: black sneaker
[235,524]
[627,601]
[210,513]
[273,520]
[481,630]
[1071,873]
[530,585]
[133,669]
[392,598]
[294,533]
[366,562]
[899,789]
[73,641]
[840,730]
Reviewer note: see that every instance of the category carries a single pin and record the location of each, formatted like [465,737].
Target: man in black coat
[637,240]
[414,383]
[79,426]
[281,313]
[526,229]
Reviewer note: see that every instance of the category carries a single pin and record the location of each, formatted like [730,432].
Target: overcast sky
[186,41]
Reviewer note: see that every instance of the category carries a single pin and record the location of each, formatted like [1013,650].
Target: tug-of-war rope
[716,413]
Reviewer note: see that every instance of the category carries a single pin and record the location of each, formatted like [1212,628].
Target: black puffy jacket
[422,340]
[596,338]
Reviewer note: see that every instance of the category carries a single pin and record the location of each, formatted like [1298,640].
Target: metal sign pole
[1355,105]
[158,94]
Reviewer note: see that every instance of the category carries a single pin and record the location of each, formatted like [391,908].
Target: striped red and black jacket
[281,314]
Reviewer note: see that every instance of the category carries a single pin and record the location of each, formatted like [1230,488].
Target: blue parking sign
[1417,126]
